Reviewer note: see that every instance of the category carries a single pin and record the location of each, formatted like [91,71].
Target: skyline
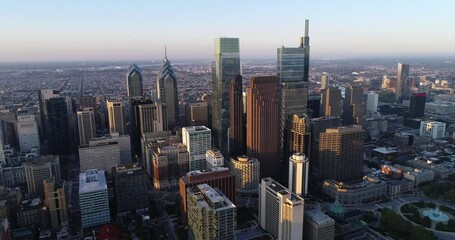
[86,31]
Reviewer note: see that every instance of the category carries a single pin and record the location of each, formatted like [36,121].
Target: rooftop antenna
[165,52]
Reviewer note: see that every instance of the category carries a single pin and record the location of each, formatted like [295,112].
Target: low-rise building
[440,171]
[369,190]
[432,129]
[419,176]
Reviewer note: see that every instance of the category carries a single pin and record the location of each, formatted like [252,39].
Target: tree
[420,233]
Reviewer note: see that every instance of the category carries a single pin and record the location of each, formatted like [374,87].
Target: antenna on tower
[165,52]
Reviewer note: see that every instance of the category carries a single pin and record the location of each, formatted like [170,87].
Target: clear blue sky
[52,30]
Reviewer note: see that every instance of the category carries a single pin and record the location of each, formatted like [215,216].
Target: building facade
[27,131]
[330,102]
[197,114]
[432,129]
[318,226]
[198,140]
[354,106]
[116,115]
[99,154]
[134,85]
[86,125]
[236,128]
[167,92]
[246,171]
[55,201]
[214,158]
[299,168]
[170,163]
[403,89]
[93,198]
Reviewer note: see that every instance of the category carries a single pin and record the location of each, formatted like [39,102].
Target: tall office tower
[102,154]
[93,198]
[353,106]
[146,117]
[86,125]
[43,96]
[197,114]
[280,210]
[226,65]
[262,123]
[292,73]
[41,169]
[372,103]
[131,185]
[61,126]
[318,226]
[314,105]
[403,83]
[214,158]
[299,167]
[341,153]
[417,106]
[87,102]
[55,200]
[318,126]
[169,164]
[167,92]
[219,177]
[330,102]
[236,129]
[27,131]
[210,214]
[246,172]
[134,83]
[116,114]
[324,81]
[198,141]
[299,141]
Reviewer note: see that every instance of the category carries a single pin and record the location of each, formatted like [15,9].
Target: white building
[246,170]
[298,174]
[198,140]
[214,158]
[372,103]
[93,198]
[280,211]
[432,129]
[27,131]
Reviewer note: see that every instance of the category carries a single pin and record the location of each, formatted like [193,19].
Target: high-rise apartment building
[299,141]
[236,129]
[170,163]
[61,125]
[134,85]
[403,84]
[226,65]
[214,158]
[41,169]
[27,131]
[292,73]
[93,198]
[341,153]
[131,187]
[299,170]
[86,125]
[372,103]
[432,129]
[102,154]
[167,92]
[198,141]
[330,102]
[280,211]
[263,123]
[211,215]
[197,114]
[353,106]
[116,114]
[318,226]
[55,201]
[417,105]
[246,170]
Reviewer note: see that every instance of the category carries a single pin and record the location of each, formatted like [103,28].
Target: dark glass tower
[417,106]
[134,83]
[237,129]
[226,65]
[167,91]
[403,83]
[353,106]
[61,125]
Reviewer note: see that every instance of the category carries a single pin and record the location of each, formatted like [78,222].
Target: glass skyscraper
[226,64]
[134,81]
[167,92]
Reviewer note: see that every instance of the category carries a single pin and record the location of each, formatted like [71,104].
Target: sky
[55,30]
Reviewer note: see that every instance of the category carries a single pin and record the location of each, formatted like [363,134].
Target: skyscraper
[61,126]
[330,102]
[197,114]
[324,81]
[27,131]
[263,123]
[86,125]
[116,113]
[318,226]
[226,64]
[167,91]
[134,83]
[353,105]
[417,106]
[211,215]
[38,170]
[299,141]
[43,96]
[246,172]
[280,211]
[292,73]
[236,129]
[403,83]
[372,103]
[55,200]
[169,164]
[198,141]
[299,169]
[93,198]
[341,153]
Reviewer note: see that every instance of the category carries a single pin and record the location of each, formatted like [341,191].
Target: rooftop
[210,197]
[92,180]
[317,216]
[197,129]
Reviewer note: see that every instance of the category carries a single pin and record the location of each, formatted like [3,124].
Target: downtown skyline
[87,31]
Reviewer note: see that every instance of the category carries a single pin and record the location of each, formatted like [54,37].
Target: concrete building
[432,129]
[93,198]
[419,176]
[440,171]
[324,80]
[41,169]
[211,215]
[116,116]
[214,158]
[86,125]
[197,114]
[220,178]
[131,185]
[150,142]
[246,171]
[318,226]
[27,131]
[440,107]
[281,212]
[372,100]
[32,212]
[134,85]
[102,154]
[166,85]
[299,168]
[170,163]
[55,201]
[368,190]
[198,141]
